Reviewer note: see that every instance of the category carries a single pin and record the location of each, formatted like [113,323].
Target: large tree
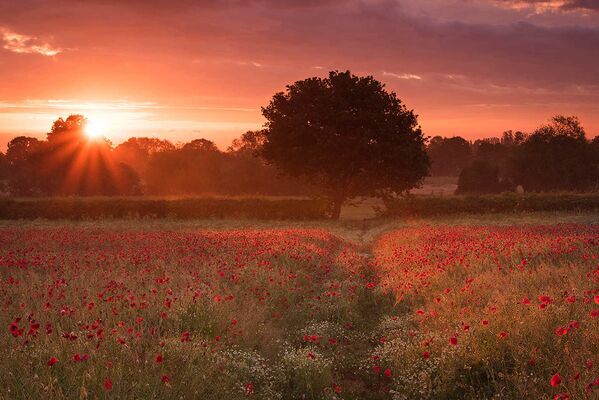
[348,135]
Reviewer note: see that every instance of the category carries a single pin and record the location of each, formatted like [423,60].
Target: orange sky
[204,68]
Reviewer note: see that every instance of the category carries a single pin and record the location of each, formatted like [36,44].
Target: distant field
[437,186]
[452,307]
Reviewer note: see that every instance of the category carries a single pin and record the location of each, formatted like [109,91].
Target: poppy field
[423,311]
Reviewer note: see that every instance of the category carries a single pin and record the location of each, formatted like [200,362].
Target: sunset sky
[190,69]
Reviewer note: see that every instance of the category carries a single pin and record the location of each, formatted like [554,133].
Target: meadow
[454,307]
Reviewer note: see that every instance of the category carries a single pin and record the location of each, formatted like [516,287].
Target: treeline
[69,163]
[555,157]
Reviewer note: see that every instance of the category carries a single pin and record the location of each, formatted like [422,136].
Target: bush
[480,177]
[192,208]
[502,203]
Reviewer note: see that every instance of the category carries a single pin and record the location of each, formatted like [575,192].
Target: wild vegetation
[340,138]
[84,208]
[436,311]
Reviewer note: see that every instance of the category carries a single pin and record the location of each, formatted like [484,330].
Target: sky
[202,69]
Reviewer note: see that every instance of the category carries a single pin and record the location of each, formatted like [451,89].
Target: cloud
[541,6]
[403,76]
[25,44]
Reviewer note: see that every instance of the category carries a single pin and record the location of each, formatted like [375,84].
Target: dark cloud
[583,4]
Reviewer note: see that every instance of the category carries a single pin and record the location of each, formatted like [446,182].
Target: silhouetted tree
[250,141]
[23,177]
[136,152]
[346,134]
[67,163]
[557,156]
[192,169]
[448,155]
[480,177]
[3,166]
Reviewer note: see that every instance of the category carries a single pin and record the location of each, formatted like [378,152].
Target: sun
[94,129]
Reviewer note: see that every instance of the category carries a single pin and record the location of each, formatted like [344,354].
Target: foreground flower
[556,380]
[52,361]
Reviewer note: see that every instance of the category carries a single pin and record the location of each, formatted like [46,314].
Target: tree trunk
[337,202]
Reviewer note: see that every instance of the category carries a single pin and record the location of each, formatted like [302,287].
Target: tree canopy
[346,134]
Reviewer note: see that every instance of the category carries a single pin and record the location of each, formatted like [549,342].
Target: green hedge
[502,203]
[192,208]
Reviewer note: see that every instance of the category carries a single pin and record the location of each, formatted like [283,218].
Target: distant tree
[480,177]
[137,151]
[511,138]
[245,172]
[4,173]
[250,141]
[194,168]
[3,166]
[67,163]
[69,129]
[347,135]
[595,157]
[448,155]
[200,145]
[23,176]
[557,156]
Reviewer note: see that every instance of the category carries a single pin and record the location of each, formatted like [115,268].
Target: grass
[300,309]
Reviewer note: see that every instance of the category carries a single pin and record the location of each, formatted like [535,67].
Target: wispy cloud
[25,44]
[116,105]
[543,6]
[403,76]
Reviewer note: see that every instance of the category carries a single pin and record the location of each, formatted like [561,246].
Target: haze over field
[203,69]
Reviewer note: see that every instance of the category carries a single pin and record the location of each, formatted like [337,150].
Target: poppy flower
[556,380]
[52,361]
[387,373]
[107,384]
[453,341]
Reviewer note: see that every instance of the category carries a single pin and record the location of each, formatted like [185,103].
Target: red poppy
[453,341]
[556,380]
[107,384]
[388,373]
[52,361]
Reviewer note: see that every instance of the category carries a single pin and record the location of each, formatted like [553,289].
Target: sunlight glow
[95,128]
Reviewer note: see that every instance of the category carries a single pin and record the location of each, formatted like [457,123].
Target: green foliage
[132,207]
[448,155]
[502,203]
[480,178]
[557,156]
[346,134]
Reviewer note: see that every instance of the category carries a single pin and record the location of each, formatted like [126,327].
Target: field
[494,306]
